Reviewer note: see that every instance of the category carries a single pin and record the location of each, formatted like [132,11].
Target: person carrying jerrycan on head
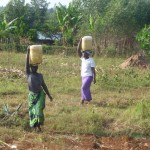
[37,90]
[88,73]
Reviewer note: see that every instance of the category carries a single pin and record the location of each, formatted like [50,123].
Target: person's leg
[32,100]
[85,89]
[36,107]
[39,128]
[82,102]
[40,110]
[82,91]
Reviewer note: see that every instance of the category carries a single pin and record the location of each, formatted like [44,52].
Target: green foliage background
[144,38]
[108,21]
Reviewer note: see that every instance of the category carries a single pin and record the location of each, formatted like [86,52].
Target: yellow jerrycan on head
[87,43]
[36,54]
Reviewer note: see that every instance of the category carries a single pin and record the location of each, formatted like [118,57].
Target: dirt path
[57,141]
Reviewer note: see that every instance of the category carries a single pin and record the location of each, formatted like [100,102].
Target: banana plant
[6,27]
[91,23]
[69,19]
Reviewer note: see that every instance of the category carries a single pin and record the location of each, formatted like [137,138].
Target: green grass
[120,97]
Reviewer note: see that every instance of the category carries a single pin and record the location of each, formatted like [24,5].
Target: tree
[15,9]
[143,37]
[18,9]
[6,27]
[51,26]
[114,22]
[126,16]
[69,19]
[38,13]
[30,16]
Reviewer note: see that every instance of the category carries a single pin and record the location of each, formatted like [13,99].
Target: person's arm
[94,74]
[79,48]
[27,67]
[46,91]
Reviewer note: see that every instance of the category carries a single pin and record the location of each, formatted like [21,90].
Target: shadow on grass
[129,133]
[116,105]
[10,93]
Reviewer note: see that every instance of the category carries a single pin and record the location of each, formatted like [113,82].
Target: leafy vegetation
[120,104]
[69,20]
[113,24]
[144,38]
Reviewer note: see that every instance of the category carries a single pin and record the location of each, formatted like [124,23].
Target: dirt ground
[139,60]
[57,141]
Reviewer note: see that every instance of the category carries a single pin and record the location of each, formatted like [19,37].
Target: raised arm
[79,48]
[27,67]
[46,91]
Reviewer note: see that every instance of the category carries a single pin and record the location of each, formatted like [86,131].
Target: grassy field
[120,105]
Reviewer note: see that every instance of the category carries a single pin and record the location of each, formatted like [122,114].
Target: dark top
[35,82]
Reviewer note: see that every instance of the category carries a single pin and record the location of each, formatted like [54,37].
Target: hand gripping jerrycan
[87,43]
[36,54]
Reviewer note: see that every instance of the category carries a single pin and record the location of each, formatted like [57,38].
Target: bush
[143,37]
[12,47]
[32,35]
[59,50]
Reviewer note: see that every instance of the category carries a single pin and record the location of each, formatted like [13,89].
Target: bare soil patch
[4,72]
[139,60]
[56,141]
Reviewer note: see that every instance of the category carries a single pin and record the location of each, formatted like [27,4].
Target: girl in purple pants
[87,73]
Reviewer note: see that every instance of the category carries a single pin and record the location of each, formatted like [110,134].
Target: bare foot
[82,102]
[39,128]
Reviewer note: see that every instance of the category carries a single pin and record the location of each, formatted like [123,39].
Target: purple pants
[85,88]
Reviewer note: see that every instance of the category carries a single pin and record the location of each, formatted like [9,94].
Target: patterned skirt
[36,103]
